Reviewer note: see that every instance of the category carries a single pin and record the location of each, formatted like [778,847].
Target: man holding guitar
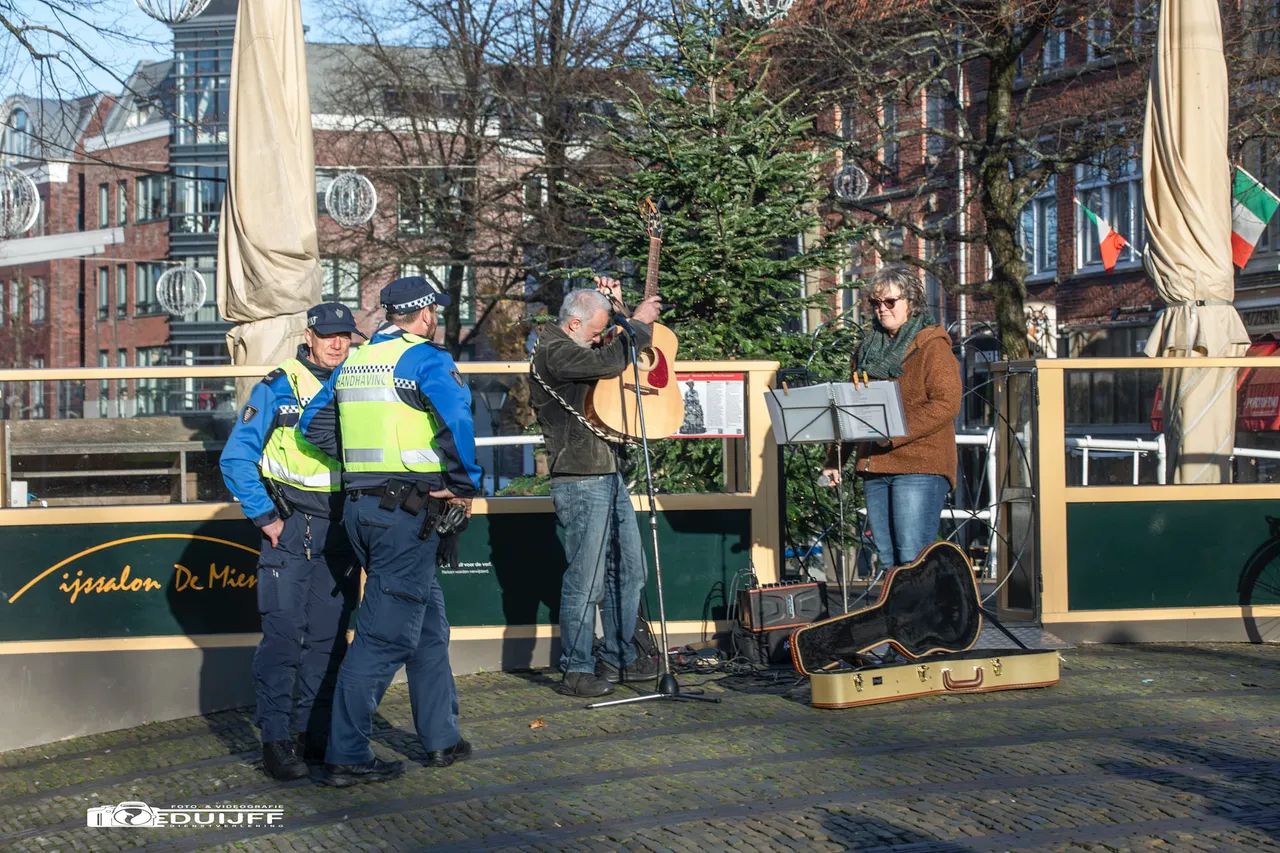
[602,538]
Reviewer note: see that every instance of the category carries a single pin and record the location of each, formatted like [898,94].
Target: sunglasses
[888,303]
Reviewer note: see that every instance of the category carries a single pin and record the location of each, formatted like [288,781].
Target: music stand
[837,412]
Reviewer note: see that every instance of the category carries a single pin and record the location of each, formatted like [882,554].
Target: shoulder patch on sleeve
[248,414]
[457,377]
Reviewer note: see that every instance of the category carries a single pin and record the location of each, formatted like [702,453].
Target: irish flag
[1252,206]
[1109,242]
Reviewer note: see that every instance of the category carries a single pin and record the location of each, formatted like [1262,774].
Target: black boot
[346,775]
[281,762]
[584,684]
[460,751]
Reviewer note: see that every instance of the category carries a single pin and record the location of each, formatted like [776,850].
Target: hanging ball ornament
[181,291]
[19,203]
[766,10]
[351,199]
[850,183]
[172,11]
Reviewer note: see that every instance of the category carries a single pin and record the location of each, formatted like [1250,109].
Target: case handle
[966,684]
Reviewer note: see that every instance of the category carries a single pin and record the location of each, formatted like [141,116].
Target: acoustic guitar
[611,404]
[927,607]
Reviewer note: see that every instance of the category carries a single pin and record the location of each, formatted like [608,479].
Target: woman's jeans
[903,511]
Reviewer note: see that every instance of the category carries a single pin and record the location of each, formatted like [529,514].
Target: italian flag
[1109,242]
[1252,206]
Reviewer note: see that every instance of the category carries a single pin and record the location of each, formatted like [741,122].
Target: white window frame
[438,274]
[1040,266]
[151,195]
[935,250]
[1053,53]
[1143,27]
[890,236]
[889,118]
[104,385]
[1261,159]
[104,293]
[145,276]
[935,117]
[122,291]
[1100,31]
[1090,178]
[341,281]
[324,177]
[39,309]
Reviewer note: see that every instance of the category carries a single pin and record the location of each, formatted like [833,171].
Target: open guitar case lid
[926,607]
[930,612]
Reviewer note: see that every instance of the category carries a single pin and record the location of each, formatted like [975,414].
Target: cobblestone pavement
[1165,748]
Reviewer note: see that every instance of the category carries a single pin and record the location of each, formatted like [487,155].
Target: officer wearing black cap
[306,581]
[400,414]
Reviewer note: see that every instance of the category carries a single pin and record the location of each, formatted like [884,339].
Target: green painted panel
[122,580]
[83,581]
[510,566]
[1162,553]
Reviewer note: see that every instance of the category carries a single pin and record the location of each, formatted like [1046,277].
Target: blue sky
[117,33]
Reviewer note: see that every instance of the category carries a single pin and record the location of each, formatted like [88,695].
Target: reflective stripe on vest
[290,458]
[380,432]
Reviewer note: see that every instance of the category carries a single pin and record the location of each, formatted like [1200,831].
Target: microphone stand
[843,560]
[667,686]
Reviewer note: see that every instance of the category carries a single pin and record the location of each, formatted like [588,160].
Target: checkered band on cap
[406,307]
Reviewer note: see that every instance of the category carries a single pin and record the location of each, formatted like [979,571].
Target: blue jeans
[401,622]
[606,564]
[903,511]
[305,604]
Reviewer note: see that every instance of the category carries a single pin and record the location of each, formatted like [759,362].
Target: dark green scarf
[880,356]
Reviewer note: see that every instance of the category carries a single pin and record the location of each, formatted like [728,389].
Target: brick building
[1074,307]
[131,186]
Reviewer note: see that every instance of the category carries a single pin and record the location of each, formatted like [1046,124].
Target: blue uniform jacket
[271,405]
[434,386]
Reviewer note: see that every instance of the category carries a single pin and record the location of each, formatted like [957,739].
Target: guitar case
[927,607]
[971,672]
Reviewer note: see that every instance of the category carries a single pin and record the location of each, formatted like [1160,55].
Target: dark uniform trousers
[306,606]
[401,622]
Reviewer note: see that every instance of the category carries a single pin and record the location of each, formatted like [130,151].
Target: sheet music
[837,411]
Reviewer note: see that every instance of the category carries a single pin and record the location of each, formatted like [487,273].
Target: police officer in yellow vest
[399,413]
[307,578]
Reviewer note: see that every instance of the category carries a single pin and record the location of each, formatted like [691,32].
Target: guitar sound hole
[646,359]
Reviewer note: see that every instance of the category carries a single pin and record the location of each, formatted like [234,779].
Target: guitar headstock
[651,218]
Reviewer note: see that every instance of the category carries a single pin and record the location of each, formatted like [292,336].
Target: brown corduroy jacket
[931,392]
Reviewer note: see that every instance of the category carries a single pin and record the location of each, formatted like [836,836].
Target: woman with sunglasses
[906,479]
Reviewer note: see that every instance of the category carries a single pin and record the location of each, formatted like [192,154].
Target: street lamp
[494,394]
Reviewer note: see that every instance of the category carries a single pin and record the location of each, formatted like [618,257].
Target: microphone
[620,320]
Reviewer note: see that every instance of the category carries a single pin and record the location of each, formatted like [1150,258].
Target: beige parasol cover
[1187,202]
[268,251]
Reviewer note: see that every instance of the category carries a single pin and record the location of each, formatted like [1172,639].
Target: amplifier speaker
[782,605]
[763,648]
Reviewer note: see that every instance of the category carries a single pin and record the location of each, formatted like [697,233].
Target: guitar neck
[651,275]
